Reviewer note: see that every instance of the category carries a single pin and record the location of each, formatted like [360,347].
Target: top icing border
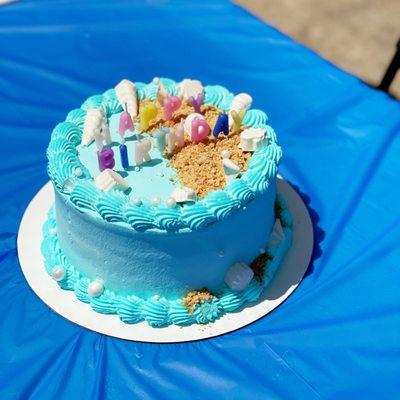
[116,206]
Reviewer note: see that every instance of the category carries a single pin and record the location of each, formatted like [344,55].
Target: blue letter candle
[222,125]
[124,156]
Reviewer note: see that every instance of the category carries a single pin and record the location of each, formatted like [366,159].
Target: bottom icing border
[160,312]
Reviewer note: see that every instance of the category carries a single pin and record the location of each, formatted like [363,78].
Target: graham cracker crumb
[258,266]
[195,297]
[199,165]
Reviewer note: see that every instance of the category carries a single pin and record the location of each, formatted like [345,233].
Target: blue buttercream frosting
[157,312]
[64,159]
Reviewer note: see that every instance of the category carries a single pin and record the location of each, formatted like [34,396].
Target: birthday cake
[166,208]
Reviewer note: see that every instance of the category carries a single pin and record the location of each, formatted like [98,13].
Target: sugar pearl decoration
[137,169]
[156,200]
[58,274]
[53,231]
[171,202]
[95,288]
[221,253]
[262,250]
[225,153]
[136,201]
[156,297]
[78,171]
[156,80]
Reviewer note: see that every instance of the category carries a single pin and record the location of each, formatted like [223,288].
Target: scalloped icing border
[63,160]
[161,312]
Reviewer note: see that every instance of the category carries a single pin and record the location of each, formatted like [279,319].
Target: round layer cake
[166,208]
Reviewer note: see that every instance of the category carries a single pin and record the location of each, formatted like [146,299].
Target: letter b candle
[106,159]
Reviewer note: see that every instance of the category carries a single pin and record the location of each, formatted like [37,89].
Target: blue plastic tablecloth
[338,335]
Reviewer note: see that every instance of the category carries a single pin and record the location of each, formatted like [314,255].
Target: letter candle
[142,151]
[222,125]
[146,114]
[123,151]
[237,118]
[106,158]
[105,130]
[200,130]
[159,136]
[171,140]
[171,104]
[125,123]
[196,102]
[180,134]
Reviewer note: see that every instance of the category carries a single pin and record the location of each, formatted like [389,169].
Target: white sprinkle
[156,200]
[171,202]
[78,171]
[136,201]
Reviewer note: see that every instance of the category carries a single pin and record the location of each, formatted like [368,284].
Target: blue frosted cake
[165,203]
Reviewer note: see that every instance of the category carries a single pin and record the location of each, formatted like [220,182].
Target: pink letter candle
[200,130]
[171,104]
[125,123]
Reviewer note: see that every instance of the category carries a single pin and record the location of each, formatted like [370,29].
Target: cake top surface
[165,155]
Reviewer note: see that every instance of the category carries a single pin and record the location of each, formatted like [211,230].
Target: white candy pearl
[53,231]
[136,201]
[58,274]
[156,80]
[225,153]
[137,168]
[95,288]
[78,171]
[262,250]
[68,186]
[171,202]
[156,200]
[156,297]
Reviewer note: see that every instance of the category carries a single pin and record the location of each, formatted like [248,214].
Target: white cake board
[67,305]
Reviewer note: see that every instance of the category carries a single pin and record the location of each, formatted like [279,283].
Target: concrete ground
[357,35]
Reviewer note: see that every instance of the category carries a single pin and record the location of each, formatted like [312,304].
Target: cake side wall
[157,262]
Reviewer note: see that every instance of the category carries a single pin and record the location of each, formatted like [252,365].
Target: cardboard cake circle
[64,302]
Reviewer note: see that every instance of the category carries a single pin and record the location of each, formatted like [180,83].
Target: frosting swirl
[240,191]
[218,96]
[77,117]
[208,311]
[168,218]
[95,101]
[156,312]
[84,195]
[140,217]
[68,131]
[129,309]
[109,205]
[105,303]
[179,314]
[220,204]
[255,118]
[196,216]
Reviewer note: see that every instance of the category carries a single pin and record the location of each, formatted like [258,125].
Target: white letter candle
[142,151]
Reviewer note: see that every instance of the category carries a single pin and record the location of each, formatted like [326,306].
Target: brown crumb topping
[199,165]
[258,266]
[195,297]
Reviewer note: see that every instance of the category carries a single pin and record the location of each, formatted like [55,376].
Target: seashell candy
[252,139]
[239,276]
[109,179]
[184,195]
[190,88]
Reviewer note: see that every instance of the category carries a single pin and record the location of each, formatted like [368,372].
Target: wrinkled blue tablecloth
[338,335]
